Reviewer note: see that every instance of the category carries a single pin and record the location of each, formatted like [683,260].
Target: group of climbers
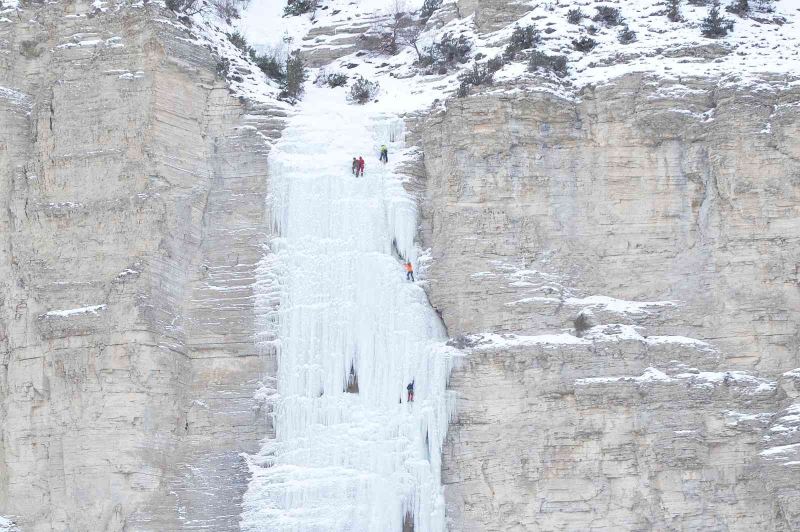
[357,166]
[358,171]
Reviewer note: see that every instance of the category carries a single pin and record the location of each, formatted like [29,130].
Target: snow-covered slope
[762,43]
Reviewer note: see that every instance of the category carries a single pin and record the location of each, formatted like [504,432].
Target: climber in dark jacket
[410,389]
[355,166]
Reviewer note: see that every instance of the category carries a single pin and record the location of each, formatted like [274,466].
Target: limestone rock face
[132,221]
[547,218]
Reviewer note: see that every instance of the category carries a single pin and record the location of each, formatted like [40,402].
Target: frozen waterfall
[345,460]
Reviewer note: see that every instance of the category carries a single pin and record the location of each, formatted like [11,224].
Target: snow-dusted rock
[133,191]
[660,207]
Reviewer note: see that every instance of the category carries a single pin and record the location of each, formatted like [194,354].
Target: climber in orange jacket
[409,271]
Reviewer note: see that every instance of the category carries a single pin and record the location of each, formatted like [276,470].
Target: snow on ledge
[702,379]
[780,451]
[620,306]
[597,334]
[94,309]
[491,341]
[793,373]
[649,375]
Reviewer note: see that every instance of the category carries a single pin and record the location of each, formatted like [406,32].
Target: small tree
[292,85]
[522,39]
[626,35]
[392,35]
[584,44]
[363,90]
[674,10]
[715,25]
[574,16]
[410,37]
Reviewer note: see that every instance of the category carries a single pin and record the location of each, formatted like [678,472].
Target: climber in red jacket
[409,271]
[360,167]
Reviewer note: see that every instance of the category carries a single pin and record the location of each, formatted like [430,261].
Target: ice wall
[346,460]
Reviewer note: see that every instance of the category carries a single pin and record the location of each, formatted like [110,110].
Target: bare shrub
[584,44]
[185,7]
[626,35]
[478,75]
[611,16]
[574,16]
[228,9]
[332,79]
[557,64]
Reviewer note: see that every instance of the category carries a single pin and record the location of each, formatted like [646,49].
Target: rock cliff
[615,254]
[133,218]
[621,268]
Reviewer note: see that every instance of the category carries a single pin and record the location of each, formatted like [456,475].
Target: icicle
[347,461]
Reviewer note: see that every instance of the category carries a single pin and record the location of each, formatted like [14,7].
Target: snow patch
[780,451]
[702,379]
[490,341]
[735,418]
[649,375]
[94,309]
[620,306]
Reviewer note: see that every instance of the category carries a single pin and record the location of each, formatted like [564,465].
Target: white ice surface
[7,525]
[346,461]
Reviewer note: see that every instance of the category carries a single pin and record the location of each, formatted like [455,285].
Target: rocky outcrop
[133,189]
[621,268]
[491,15]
